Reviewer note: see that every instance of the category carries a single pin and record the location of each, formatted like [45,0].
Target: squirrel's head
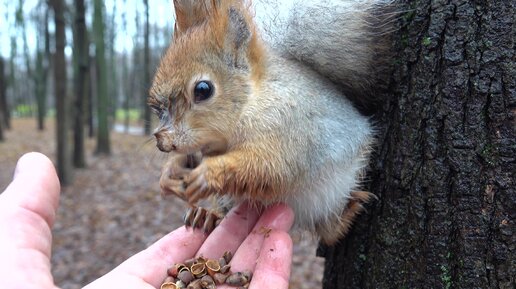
[204,79]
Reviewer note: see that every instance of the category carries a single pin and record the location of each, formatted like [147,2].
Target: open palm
[28,209]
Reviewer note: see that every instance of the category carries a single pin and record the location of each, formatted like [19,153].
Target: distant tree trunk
[126,89]
[31,79]
[113,79]
[91,87]
[81,55]
[103,145]
[64,167]
[2,98]
[13,85]
[42,67]
[40,90]
[444,168]
[146,72]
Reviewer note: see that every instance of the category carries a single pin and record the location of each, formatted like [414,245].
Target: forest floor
[113,208]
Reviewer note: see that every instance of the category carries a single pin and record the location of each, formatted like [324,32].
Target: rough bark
[81,55]
[64,168]
[103,144]
[444,167]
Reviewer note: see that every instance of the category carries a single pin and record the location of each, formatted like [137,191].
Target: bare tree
[146,71]
[2,98]
[103,144]
[82,59]
[64,168]
[42,63]
[444,169]
[126,86]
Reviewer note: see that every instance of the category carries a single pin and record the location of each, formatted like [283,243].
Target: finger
[274,262]
[27,213]
[149,267]
[280,218]
[230,233]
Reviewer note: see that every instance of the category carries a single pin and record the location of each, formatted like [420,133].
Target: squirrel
[254,108]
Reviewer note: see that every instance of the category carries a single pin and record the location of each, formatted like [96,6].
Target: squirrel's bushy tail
[344,40]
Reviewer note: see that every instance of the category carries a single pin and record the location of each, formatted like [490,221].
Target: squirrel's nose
[164,143]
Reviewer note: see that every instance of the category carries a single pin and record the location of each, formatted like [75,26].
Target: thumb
[27,212]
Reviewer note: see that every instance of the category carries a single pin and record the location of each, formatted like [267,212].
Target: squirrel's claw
[198,217]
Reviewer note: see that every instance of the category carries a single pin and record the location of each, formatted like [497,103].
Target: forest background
[74,77]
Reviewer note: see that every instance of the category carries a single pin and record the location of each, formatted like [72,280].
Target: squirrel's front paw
[174,173]
[196,184]
[197,217]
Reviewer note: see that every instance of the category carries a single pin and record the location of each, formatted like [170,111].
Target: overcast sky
[160,12]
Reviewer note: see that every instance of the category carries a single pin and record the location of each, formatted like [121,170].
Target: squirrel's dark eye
[203,90]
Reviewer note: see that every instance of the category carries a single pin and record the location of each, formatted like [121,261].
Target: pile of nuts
[202,273]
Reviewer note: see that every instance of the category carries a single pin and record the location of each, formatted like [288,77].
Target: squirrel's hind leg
[331,233]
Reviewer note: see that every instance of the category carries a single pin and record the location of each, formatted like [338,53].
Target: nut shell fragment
[198,269]
[180,284]
[185,276]
[207,280]
[228,256]
[237,279]
[195,284]
[220,278]
[225,269]
[248,274]
[168,285]
[222,262]
[212,266]
[190,262]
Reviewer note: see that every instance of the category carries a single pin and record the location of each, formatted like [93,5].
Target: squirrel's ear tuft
[238,33]
[237,38]
[190,13]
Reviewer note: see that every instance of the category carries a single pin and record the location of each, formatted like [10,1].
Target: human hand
[27,212]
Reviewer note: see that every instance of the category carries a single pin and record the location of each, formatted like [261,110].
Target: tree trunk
[146,71]
[13,85]
[126,87]
[90,88]
[113,79]
[103,144]
[126,91]
[81,55]
[42,67]
[30,80]
[444,168]
[4,109]
[2,98]
[64,168]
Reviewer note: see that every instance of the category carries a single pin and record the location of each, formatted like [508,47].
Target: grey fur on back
[344,40]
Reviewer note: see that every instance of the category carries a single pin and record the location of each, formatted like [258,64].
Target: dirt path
[114,209]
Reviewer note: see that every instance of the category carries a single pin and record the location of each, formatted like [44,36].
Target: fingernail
[25,161]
